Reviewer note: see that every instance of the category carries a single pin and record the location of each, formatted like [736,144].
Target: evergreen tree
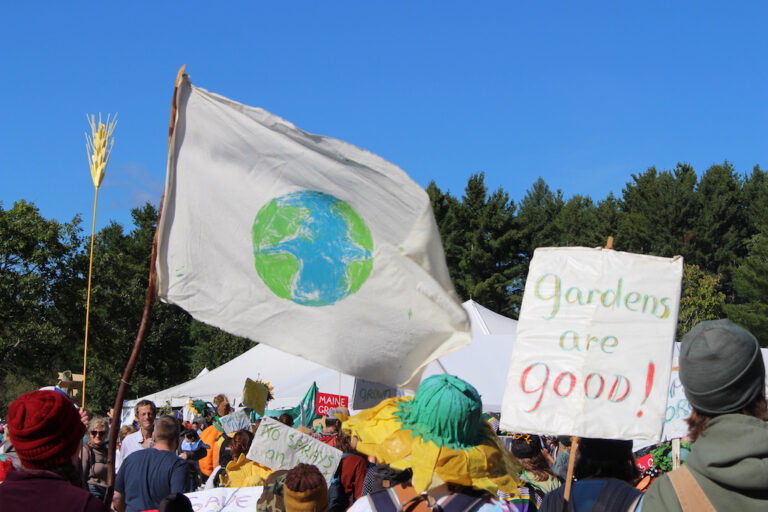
[658,212]
[482,245]
[750,282]
[578,224]
[721,227]
[536,217]
[755,199]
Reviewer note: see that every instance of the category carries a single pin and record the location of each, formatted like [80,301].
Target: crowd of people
[437,451]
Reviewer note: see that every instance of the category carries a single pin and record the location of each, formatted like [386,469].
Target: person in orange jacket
[210,434]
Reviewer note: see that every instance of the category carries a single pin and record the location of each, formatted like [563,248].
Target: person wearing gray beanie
[723,373]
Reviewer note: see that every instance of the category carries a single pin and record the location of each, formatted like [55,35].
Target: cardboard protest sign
[225,499]
[235,421]
[255,396]
[367,394]
[678,408]
[594,344]
[327,401]
[279,446]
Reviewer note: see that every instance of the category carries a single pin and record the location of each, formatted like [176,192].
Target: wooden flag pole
[145,317]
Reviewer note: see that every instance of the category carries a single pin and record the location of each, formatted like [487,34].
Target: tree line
[718,222]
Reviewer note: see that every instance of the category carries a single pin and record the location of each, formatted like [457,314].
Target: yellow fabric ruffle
[487,466]
[246,473]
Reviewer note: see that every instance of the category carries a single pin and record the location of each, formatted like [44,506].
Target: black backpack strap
[616,495]
[555,501]
[462,502]
[383,501]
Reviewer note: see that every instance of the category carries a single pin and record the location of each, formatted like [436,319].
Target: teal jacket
[730,463]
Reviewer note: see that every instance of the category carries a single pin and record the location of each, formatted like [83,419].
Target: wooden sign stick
[569,477]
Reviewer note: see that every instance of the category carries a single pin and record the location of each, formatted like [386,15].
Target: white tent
[483,364]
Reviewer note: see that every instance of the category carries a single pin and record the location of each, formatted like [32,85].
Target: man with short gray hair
[148,476]
[146,411]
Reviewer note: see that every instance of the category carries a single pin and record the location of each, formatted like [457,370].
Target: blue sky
[582,94]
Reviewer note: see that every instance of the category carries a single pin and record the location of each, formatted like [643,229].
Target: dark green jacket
[730,463]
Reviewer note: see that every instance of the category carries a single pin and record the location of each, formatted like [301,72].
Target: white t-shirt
[131,443]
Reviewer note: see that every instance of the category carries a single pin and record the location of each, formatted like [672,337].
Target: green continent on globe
[357,271]
[274,223]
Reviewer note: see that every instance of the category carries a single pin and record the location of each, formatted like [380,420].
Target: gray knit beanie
[721,367]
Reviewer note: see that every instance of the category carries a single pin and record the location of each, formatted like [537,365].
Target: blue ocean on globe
[311,248]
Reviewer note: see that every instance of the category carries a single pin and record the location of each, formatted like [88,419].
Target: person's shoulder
[553,500]
[661,495]
[95,505]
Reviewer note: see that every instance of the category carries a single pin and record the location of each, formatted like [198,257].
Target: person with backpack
[457,460]
[723,373]
[536,470]
[604,472]
[347,482]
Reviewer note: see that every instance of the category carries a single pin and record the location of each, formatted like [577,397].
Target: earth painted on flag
[311,248]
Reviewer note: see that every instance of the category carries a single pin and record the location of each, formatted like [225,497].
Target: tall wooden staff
[145,318]
[98,146]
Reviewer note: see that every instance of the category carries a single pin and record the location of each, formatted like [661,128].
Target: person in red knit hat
[46,430]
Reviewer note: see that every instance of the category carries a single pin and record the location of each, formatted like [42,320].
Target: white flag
[303,242]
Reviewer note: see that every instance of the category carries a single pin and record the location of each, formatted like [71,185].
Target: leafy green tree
[41,265]
[211,347]
[121,277]
[750,282]
[700,299]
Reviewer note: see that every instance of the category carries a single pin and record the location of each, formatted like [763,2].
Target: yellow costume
[246,473]
[440,435]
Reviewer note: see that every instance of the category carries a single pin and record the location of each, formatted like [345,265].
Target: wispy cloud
[132,184]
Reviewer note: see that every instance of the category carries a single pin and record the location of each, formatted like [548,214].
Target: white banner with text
[593,351]
[279,446]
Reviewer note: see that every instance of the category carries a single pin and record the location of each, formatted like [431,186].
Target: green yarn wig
[447,411]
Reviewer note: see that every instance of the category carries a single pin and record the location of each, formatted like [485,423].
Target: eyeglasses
[99,433]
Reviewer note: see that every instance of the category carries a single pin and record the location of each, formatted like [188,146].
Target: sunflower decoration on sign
[256,394]
[270,389]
